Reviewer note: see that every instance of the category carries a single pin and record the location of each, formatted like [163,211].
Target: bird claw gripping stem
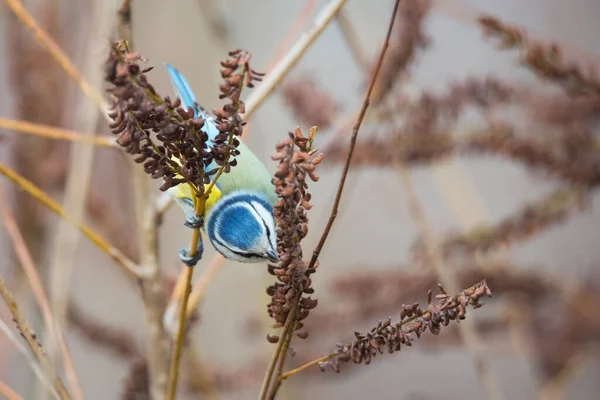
[193,222]
[188,260]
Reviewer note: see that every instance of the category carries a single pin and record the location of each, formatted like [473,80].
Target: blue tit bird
[238,218]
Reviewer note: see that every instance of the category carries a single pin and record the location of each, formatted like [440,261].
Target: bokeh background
[519,330]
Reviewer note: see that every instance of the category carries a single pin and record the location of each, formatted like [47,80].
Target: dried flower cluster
[527,222]
[236,73]
[310,104]
[545,61]
[412,320]
[297,161]
[182,153]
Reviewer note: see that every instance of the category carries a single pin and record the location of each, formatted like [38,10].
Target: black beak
[272,256]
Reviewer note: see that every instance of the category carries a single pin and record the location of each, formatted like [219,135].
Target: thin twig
[288,325]
[355,129]
[79,180]
[33,277]
[57,53]
[352,40]
[7,392]
[124,23]
[174,370]
[55,133]
[35,367]
[286,344]
[34,346]
[128,266]
[301,368]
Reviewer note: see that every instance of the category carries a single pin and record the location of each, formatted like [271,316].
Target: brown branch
[32,342]
[126,264]
[55,133]
[8,392]
[355,129]
[31,272]
[408,36]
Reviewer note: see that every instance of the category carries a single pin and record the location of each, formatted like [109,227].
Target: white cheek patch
[267,217]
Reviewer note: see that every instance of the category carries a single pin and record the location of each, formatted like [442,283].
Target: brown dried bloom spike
[412,320]
[183,154]
[236,73]
[296,161]
[139,111]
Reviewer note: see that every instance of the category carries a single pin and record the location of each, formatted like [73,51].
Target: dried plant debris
[297,162]
[413,320]
[529,221]
[546,61]
[166,138]
[573,155]
[310,104]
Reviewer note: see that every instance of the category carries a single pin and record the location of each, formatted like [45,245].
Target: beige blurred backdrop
[374,229]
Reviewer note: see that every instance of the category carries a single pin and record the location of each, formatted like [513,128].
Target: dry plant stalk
[412,320]
[31,272]
[32,342]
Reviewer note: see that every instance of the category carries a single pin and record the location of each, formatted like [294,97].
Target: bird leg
[184,254]
[193,222]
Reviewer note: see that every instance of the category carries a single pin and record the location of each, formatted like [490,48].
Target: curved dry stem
[355,129]
[278,351]
[7,392]
[37,370]
[174,370]
[51,132]
[301,368]
[125,263]
[33,277]
[34,346]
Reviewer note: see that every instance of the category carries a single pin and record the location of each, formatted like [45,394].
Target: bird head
[240,226]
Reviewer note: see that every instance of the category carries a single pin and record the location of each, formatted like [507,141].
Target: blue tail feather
[182,89]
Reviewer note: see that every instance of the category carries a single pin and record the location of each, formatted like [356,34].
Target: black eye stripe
[239,253]
[263,222]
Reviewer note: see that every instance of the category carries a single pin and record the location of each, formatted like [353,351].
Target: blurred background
[496,209]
